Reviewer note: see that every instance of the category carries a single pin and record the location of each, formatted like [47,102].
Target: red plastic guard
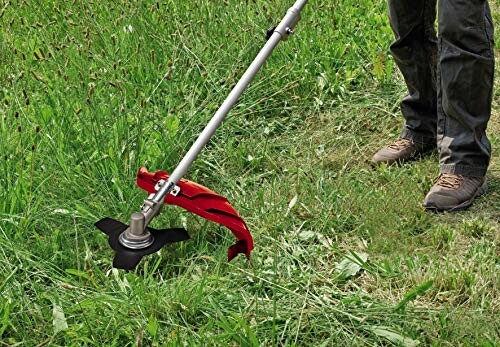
[205,203]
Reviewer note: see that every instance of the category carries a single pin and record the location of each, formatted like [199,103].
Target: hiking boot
[400,151]
[454,192]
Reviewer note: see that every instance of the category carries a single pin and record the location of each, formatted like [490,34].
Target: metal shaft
[285,28]
[136,236]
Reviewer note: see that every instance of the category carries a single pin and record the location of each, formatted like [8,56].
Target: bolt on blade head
[136,236]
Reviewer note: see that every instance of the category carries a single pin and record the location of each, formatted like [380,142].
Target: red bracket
[200,200]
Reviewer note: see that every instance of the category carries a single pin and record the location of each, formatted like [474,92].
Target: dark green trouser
[450,79]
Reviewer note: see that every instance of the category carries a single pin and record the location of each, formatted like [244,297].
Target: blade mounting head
[127,258]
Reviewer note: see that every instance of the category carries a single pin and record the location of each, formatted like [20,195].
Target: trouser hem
[463,170]
[419,139]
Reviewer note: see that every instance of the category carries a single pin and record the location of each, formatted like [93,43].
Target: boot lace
[449,181]
[400,144]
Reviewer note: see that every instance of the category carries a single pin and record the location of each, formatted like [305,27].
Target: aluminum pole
[283,29]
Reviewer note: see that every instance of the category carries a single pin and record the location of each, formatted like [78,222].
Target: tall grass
[93,90]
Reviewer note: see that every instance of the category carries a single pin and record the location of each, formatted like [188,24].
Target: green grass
[355,261]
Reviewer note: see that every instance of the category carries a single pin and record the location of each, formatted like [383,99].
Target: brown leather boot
[400,151]
[454,192]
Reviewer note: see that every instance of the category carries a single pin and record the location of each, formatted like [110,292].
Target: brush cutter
[132,242]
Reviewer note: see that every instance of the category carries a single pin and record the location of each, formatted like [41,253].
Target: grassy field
[92,90]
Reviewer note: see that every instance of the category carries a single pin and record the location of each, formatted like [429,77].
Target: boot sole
[463,206]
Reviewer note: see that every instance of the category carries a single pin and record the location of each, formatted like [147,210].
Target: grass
[354,261]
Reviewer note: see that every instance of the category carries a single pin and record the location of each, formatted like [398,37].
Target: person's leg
[415,52]
[465,87]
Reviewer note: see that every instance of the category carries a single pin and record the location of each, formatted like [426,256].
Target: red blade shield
[205,203]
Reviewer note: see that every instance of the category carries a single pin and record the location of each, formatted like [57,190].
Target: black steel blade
[126,258]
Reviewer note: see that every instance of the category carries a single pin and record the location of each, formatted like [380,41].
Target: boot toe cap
[440,201]
[384,156]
